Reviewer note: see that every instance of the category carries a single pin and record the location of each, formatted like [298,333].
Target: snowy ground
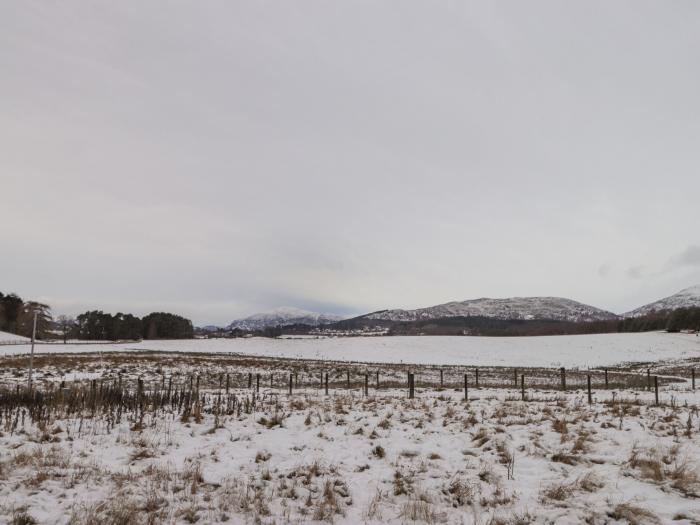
[351,459]
[6,337]
[553,351]
[268,457]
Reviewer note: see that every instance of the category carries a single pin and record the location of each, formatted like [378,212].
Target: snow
[283,316]
[686,298]
[551,351]
[76,466]
[78,376]
[427,443]
[557,308]
[7,337]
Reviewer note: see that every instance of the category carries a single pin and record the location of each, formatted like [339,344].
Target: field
[208,432]
[551,351]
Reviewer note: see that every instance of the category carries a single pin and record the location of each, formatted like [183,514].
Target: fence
[415,381]
[38,343]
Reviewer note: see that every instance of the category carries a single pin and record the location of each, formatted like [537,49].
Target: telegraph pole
[31,355]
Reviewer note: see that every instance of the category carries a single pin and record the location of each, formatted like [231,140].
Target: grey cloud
[604,269]
[635,272]
[688,257]
[225,157]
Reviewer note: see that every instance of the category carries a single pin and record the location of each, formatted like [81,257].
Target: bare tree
[66,324]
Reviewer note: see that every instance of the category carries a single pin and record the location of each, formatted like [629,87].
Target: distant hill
[514,308]
[686,298]
[285,316]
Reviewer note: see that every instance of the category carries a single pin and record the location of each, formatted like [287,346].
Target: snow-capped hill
[686,298]
[284,316]
[526,308]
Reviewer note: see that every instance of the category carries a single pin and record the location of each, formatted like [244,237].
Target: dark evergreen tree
[162,325]
[97,325]
[10,306]
[684,319]
[25,320]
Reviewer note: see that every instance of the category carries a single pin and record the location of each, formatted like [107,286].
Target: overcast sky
[216,159]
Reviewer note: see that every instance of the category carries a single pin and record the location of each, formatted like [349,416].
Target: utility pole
[31,355]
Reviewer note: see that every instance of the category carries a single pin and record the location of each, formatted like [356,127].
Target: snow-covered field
[553,351]
[112,443]
[351,459]
[7,337]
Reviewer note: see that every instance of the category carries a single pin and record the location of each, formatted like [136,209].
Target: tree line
[684,319]
[17,317]
[97,325]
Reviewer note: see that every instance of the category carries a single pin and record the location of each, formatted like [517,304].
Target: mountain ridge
[511,308]
[686,298]
[283,316]
[535,308]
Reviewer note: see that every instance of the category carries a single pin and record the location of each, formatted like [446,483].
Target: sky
[217,159]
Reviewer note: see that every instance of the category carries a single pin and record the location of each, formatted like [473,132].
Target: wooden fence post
[476,373]
[563,378]
[326,383]
[522,386]
[692,373]
[656,389]
[250,379]
[228,382]
[377,379]
[515,377]
[410,386]
[257,382]
[466,388]
[366,384]
[347,380]
[272,380]
[590,399]
[648,378]
[607,385]
[291,378]
[442,383]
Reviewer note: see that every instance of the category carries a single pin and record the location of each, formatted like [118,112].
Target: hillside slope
[520,308]
[285,316]
[686,298]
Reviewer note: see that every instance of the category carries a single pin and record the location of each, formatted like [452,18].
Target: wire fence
[14,342]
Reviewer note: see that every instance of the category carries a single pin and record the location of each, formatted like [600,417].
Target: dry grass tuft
[22,518]
[275,420]
[379,451]
[634,515]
